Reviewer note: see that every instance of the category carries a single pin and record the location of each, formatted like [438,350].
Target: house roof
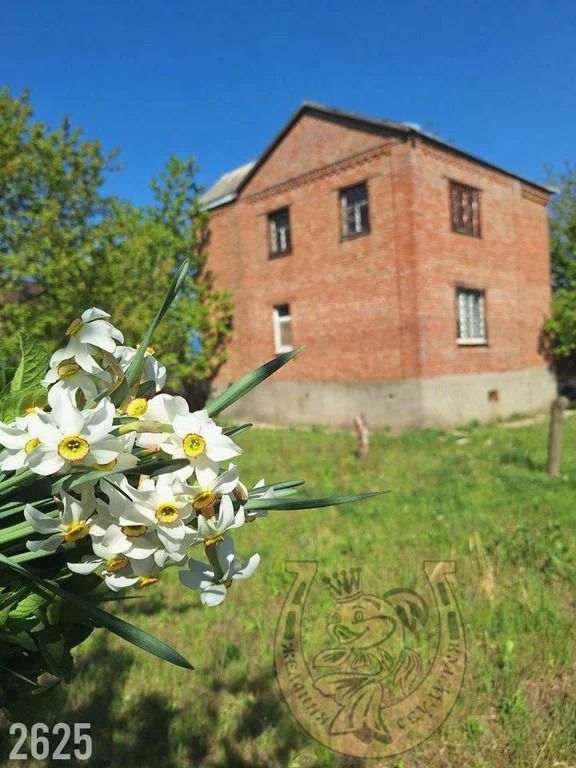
[224,191]
[229,186]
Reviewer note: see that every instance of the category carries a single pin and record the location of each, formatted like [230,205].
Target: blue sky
[218,80]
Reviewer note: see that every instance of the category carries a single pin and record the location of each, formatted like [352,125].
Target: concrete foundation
[444,401]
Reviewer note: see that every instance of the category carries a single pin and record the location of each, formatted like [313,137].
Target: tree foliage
[66,245]
[561,326]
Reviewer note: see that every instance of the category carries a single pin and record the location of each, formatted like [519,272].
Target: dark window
[471,310]
[279,226]
[354,210]
[464,209]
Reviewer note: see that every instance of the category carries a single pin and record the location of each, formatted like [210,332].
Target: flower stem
[212,556]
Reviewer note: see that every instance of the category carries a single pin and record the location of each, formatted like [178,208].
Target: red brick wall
[380,306]
[509,261]
[312,143]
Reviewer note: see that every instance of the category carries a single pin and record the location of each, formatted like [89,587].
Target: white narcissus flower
[104,557]
[72,524]
[140,574]
[201,575]
[18,443]
[154,371]
[210,531]
[125,460]
[125,526]
[70,437]
[197,438]
[211,486]
[134,541]
[87,334]
[67,375]
[164,506]
[161,408]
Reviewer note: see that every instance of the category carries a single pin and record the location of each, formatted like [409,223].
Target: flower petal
[44,460]
[221,448]
[88,564]
[47,545]
[64,412]
[213,595]
[39,521]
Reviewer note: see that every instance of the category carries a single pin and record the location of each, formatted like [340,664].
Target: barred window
[471,316]
[282,328]
[354,210]
[464,209]
[279,226]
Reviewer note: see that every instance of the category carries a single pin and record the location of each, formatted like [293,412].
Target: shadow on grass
[148,731]
[519,458]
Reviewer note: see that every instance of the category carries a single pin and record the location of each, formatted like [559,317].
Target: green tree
[65,246]
[560,328]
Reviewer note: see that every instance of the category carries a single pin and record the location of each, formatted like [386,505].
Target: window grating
[354,210]
[279,226]
[464,209]
[471,316]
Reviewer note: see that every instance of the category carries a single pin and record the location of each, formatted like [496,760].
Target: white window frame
[471,294]
[278,320]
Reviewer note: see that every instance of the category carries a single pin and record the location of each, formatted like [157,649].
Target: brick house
[417,275]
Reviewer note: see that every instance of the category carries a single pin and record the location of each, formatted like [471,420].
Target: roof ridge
[221,193]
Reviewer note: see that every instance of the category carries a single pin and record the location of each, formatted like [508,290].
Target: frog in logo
[371,692]
[371,661]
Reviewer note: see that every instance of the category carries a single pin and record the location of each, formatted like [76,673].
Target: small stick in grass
[363,435]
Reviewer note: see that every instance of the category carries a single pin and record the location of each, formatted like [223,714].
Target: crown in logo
[344,585]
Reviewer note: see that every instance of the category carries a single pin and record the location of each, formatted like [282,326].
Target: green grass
[487,503]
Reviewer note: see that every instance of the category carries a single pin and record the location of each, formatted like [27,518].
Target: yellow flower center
[149,350]
[137,407]
[74,327]
[203,499]
[116,564]
[167,513]
[31,444]
[105,467]
[73,448]
[32,409]
[193,445]
[67,369]
[76,531]
[147,581]
[134,531]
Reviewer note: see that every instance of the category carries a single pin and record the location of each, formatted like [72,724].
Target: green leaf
[54,652]
[101,618]
[14,404]
[248,382]
[134,370]
[7,602]
[159,467]
[308,503]
[6,375]
[27,606]
[33,365]
[151,469]
[10,508]
[232,431]
[276,486]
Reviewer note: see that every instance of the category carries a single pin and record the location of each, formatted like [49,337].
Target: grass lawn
[479,496]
